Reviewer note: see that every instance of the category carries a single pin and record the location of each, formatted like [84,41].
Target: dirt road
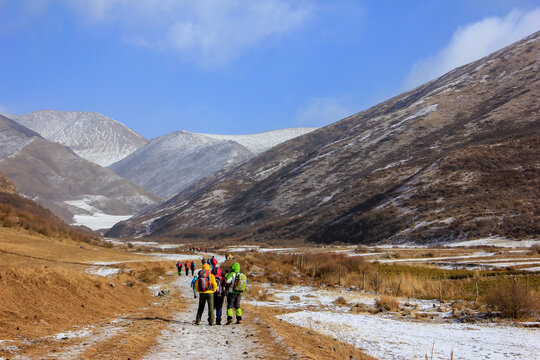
[183,339]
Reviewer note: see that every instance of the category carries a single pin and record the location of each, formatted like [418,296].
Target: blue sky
[238,67]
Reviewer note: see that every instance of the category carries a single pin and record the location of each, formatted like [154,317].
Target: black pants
[187,271]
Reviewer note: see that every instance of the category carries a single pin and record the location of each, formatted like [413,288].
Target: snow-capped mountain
[170,163]
[454,159]
[258,143]
[92,136]
[70,186]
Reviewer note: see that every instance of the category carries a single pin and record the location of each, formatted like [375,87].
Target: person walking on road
[219,295]
[236,284]
[179,267]
[186,265]
[193,267]
[193,286]
[206,286]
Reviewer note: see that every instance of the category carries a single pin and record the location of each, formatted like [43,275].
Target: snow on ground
[94,218]
[182,339]
[387,338]
[310,298]
[102,271]
[475,255]
[88,336]
[496,241]
[177,257]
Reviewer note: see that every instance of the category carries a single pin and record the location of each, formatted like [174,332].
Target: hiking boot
[238,321]
[218,322]
[229,322]
[211,324]
[197,323]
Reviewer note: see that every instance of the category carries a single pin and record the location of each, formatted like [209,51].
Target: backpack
[204,281]
[240,283]
[219,280]
[193,265]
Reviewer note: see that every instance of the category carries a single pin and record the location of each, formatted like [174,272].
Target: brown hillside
[345,182]
[20,213]
[6,186]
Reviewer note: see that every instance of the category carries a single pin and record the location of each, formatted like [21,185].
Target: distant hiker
[203,261]
[229,257]
[193,267]
[206,250]
[219,295]
[193,286]
[187,267]
[179,267]
[206,286]
[213,262]
[236,284]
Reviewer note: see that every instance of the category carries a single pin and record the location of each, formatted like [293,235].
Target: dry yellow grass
[387,303]
[44,291]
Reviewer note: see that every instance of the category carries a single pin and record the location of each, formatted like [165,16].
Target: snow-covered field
[387,338]
[93,217]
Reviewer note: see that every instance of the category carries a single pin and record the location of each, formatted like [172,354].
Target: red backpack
[219,280]
[204,280]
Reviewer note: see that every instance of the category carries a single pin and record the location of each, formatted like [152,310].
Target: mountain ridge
[340,174]
[91,135]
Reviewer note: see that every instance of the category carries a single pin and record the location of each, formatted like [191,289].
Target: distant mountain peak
[91,135]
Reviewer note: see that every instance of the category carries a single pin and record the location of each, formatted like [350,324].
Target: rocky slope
[423,166]
[170,163]
[90,135]
[55,176]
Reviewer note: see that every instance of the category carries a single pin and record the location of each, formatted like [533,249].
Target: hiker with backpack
[219,295]
[213,262]
[186,265]
[179,267]
[206,286]
[193,267]
[236,283]
[193,286]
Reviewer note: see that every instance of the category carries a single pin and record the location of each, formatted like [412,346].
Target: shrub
[258,292]
[534,249]
[340,301]
[513,301]
[387,303]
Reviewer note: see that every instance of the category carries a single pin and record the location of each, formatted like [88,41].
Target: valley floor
[300,322]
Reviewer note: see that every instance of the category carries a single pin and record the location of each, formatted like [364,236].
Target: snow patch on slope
[258,143]
[92,136]
[93,217]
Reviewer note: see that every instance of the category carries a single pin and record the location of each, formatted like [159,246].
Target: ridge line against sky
[238,67]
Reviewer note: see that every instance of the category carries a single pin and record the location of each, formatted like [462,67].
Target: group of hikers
[213,286]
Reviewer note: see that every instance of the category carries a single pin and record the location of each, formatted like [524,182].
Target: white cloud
[211,32]
[323,111]
[474,41]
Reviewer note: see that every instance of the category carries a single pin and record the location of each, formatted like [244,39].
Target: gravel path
[183,339]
